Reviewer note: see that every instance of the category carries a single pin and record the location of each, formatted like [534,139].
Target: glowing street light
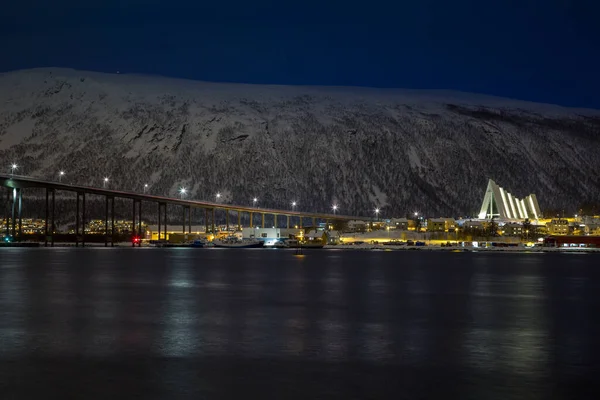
[60,175]
[145,187]
[254,200]
[13,168]
[218,196]
[334,207]
[377,213]
[293,205]
[416,214]
[182,192]
[105,182]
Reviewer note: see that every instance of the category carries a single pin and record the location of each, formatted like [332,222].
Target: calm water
[209,323]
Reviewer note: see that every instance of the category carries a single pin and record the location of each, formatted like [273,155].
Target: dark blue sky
[534,50]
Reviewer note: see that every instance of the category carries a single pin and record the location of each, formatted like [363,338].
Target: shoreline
[344,247]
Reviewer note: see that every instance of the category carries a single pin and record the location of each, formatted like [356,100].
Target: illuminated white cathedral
[500,204]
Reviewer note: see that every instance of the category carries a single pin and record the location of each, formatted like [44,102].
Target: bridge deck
[18,181]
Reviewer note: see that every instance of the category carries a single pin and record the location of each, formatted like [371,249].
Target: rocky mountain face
[400,150]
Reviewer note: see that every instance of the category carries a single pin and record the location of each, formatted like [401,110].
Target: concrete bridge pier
[46,220]
[140,222]
[83,220]
[263,220]
[112,222]
[133,225]
[77,213]
[239,215]
[213,222]
[106,222]
[20,214]
[189,220]
[52,225]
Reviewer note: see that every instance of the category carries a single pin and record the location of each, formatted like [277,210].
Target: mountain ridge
[359,147]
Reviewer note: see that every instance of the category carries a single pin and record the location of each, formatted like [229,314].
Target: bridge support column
[239,215]
[275,220]
[288,222]
[251,219]
[184,209]
[45,221]
[206,221]
[13,218]
[263,220]
[227,219]
[213,221]
[83,220]
[52,226]
[106,222]
[112,222]
[20,214]
[189,220]
[140,223]
[166,226]
[77,222]
[159,221]
[133,225]
[7,212]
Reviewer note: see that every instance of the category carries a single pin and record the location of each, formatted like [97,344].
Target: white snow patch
[413,158]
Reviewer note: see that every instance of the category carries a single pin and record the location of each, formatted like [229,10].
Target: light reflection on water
[484,315]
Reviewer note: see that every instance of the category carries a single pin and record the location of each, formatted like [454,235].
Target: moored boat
[231,243]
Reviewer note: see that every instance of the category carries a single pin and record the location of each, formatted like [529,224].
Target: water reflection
[481,319]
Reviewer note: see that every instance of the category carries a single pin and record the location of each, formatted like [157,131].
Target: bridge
[16,184]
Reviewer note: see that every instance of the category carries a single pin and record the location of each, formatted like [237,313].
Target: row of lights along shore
[183,191]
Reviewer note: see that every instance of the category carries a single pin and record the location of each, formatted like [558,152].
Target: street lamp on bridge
[105,182]
[145,188]
[13,168]
[254,200]
[293,205]
[335,207]
[218,196]
[60,175]
[182,192]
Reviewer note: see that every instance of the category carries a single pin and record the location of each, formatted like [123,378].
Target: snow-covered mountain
[402,150]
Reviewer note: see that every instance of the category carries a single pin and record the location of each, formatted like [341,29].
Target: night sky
[546,51]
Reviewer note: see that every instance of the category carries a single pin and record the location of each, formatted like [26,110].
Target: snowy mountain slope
[403,150]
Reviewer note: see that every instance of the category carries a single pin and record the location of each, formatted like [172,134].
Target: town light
[182,192]
[293,205]
[334,207]
[145,187]
[254,200]
[105,182]
[60,175]
[13,168]
[416,214]
[218,196]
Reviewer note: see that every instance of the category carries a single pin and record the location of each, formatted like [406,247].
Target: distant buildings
[441,225]
[402,224]
[512,229]
[558,227]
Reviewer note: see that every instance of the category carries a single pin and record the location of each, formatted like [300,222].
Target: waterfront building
[441,225]
[558,226]
[512,229]
[401,223]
